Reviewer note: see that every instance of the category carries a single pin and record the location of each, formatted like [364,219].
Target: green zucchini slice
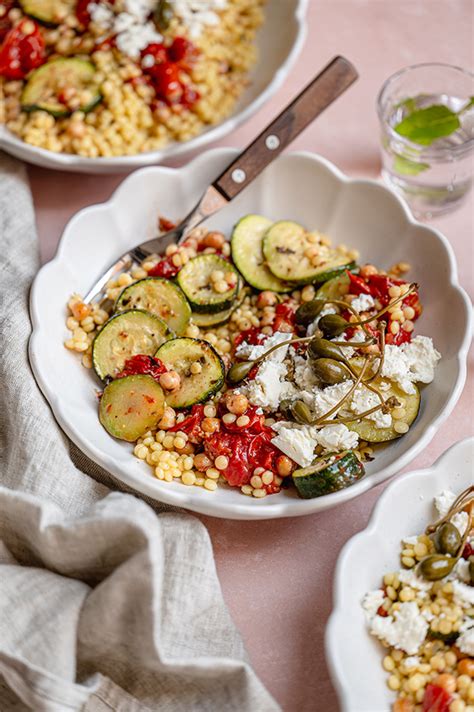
[130,406]
[206,320]
[160,297]
[124,335]
[285,247]
[178,355]
[45,85]
[328,474]
[366,428]
[247,253]
[332,288]
[195,281]
[49,12]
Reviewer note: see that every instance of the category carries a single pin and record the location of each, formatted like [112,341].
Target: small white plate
[299,186]
[279,42]
[404,509]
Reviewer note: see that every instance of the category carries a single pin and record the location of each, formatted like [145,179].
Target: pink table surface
[277,576]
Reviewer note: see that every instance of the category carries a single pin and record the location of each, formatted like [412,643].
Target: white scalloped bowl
[297,186]
[405,508]
[279,43]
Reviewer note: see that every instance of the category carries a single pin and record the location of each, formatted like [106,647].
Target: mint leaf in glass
[426,125]
[405,167]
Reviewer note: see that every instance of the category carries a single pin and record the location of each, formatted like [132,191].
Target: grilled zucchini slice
[286,245]
[328,474]
[124,335]
[160,297]
[366,428]
[195,281]
[49,12]
[205,320]
[130,406]
[45,85]
[178,355]
[247,253]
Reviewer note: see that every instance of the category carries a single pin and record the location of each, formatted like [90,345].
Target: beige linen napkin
[104,605]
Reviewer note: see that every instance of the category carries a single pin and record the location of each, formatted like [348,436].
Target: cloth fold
[105,604]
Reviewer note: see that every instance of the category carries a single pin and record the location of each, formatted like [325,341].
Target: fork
[330,83]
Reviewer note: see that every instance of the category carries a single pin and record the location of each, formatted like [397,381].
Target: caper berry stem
[349,393]
[357,344]
[382,354]
[459,504]
[413,287]
[298,340]
[389,404]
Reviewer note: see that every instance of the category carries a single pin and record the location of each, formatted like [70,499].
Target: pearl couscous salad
[424,613]
[267,362]
[119,77]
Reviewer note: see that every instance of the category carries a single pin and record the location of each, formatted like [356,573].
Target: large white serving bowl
[279,43]
[404,509]
[299,186]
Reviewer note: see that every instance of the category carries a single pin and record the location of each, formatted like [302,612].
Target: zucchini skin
[178,355]
[247,254]
[169,302]
[366,428]
[100,357]
[130,406]
[199,269]
[320,478]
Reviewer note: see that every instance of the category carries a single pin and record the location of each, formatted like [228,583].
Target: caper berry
[239,371]
[328,371]
[285,408]
[447,539]
[301,412]
[322,348]
[436,566]
[333,325]
[307,313]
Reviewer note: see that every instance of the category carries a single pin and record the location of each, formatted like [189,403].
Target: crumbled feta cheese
[461,571]
[463,594]
[443,502]
[313,327]
[348,351]
[101,15]
[362,303]
[252,351]
[132,36]
[409,577]
[372,602]
[363,400]
[465,642]
[269,387]
[406,630]
[337,437]
[296,441]
[321,401]
[303,374]
[197,13]
[411,362]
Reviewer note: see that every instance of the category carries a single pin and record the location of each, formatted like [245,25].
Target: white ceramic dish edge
[80,164]
[452,470]
[280,508]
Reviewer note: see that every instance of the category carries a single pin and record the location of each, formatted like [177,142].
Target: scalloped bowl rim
[342,681]
[70,162]
[291,507]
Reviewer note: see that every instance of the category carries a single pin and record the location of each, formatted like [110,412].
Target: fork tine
[125,262]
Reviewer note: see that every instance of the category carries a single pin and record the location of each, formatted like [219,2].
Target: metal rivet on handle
[238,175]
[272,142]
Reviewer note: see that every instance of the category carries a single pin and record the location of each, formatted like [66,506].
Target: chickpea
[202,462]
[367,270]
[211,425]
[214,239]
[266,299]
[168,419]
[170,381]
[284,466]
[236,403]
[446,681]
[403,704]
[80,311]
[466,667]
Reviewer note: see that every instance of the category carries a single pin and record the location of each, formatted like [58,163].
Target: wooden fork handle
[330,83]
